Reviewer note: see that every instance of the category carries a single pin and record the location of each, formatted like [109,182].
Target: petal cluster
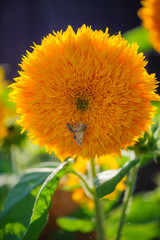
[87,78]
[150,15]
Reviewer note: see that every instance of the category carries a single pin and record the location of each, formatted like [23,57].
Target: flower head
[87,78]
[150,16]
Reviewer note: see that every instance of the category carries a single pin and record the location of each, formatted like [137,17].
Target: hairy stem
[83,180]
[127,198]
[99,212]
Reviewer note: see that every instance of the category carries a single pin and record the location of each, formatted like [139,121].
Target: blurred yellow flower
[78,195]
[150,16]
[2,75]
[6,112]
[86,77]
[3,115]
[3,109]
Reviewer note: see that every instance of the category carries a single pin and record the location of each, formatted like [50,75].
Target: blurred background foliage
[71,215]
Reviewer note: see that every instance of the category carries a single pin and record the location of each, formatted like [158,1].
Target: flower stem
[100,226]
[127,198]
[83,180]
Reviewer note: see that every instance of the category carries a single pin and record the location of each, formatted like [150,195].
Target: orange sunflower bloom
[150,16]
[87,78]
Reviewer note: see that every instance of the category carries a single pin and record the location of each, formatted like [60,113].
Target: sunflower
[104,163]
[86,79]
[150,17]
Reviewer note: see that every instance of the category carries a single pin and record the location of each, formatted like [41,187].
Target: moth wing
[83,127]
[76,128]
[78,137]
[72,128]
[78,131]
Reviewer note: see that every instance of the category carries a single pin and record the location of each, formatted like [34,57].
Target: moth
[78,130]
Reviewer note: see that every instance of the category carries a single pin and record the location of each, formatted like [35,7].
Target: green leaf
[145,207]
[106,181]
[5,162]
[144,231]
[141,36]
[127,155]
[142,219]
[157,114]
[141,231]
[15,217]
[43,201]
[26,208]
[73,224]
[3,194]
[61,234]
[156,104]
[5,98]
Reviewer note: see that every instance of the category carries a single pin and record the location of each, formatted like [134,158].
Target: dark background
[23,22]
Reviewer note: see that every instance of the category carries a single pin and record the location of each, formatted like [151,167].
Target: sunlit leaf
[73,224]
[141,36]
[43,201]
[27,205]
[125,157]
[157,104]
[19,204]
[157,114]
[5,98]
[106,181]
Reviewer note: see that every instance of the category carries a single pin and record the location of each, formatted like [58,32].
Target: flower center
[82,104]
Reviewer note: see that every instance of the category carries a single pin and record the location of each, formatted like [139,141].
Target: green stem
[127,197]
[100,220]
[81,177]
